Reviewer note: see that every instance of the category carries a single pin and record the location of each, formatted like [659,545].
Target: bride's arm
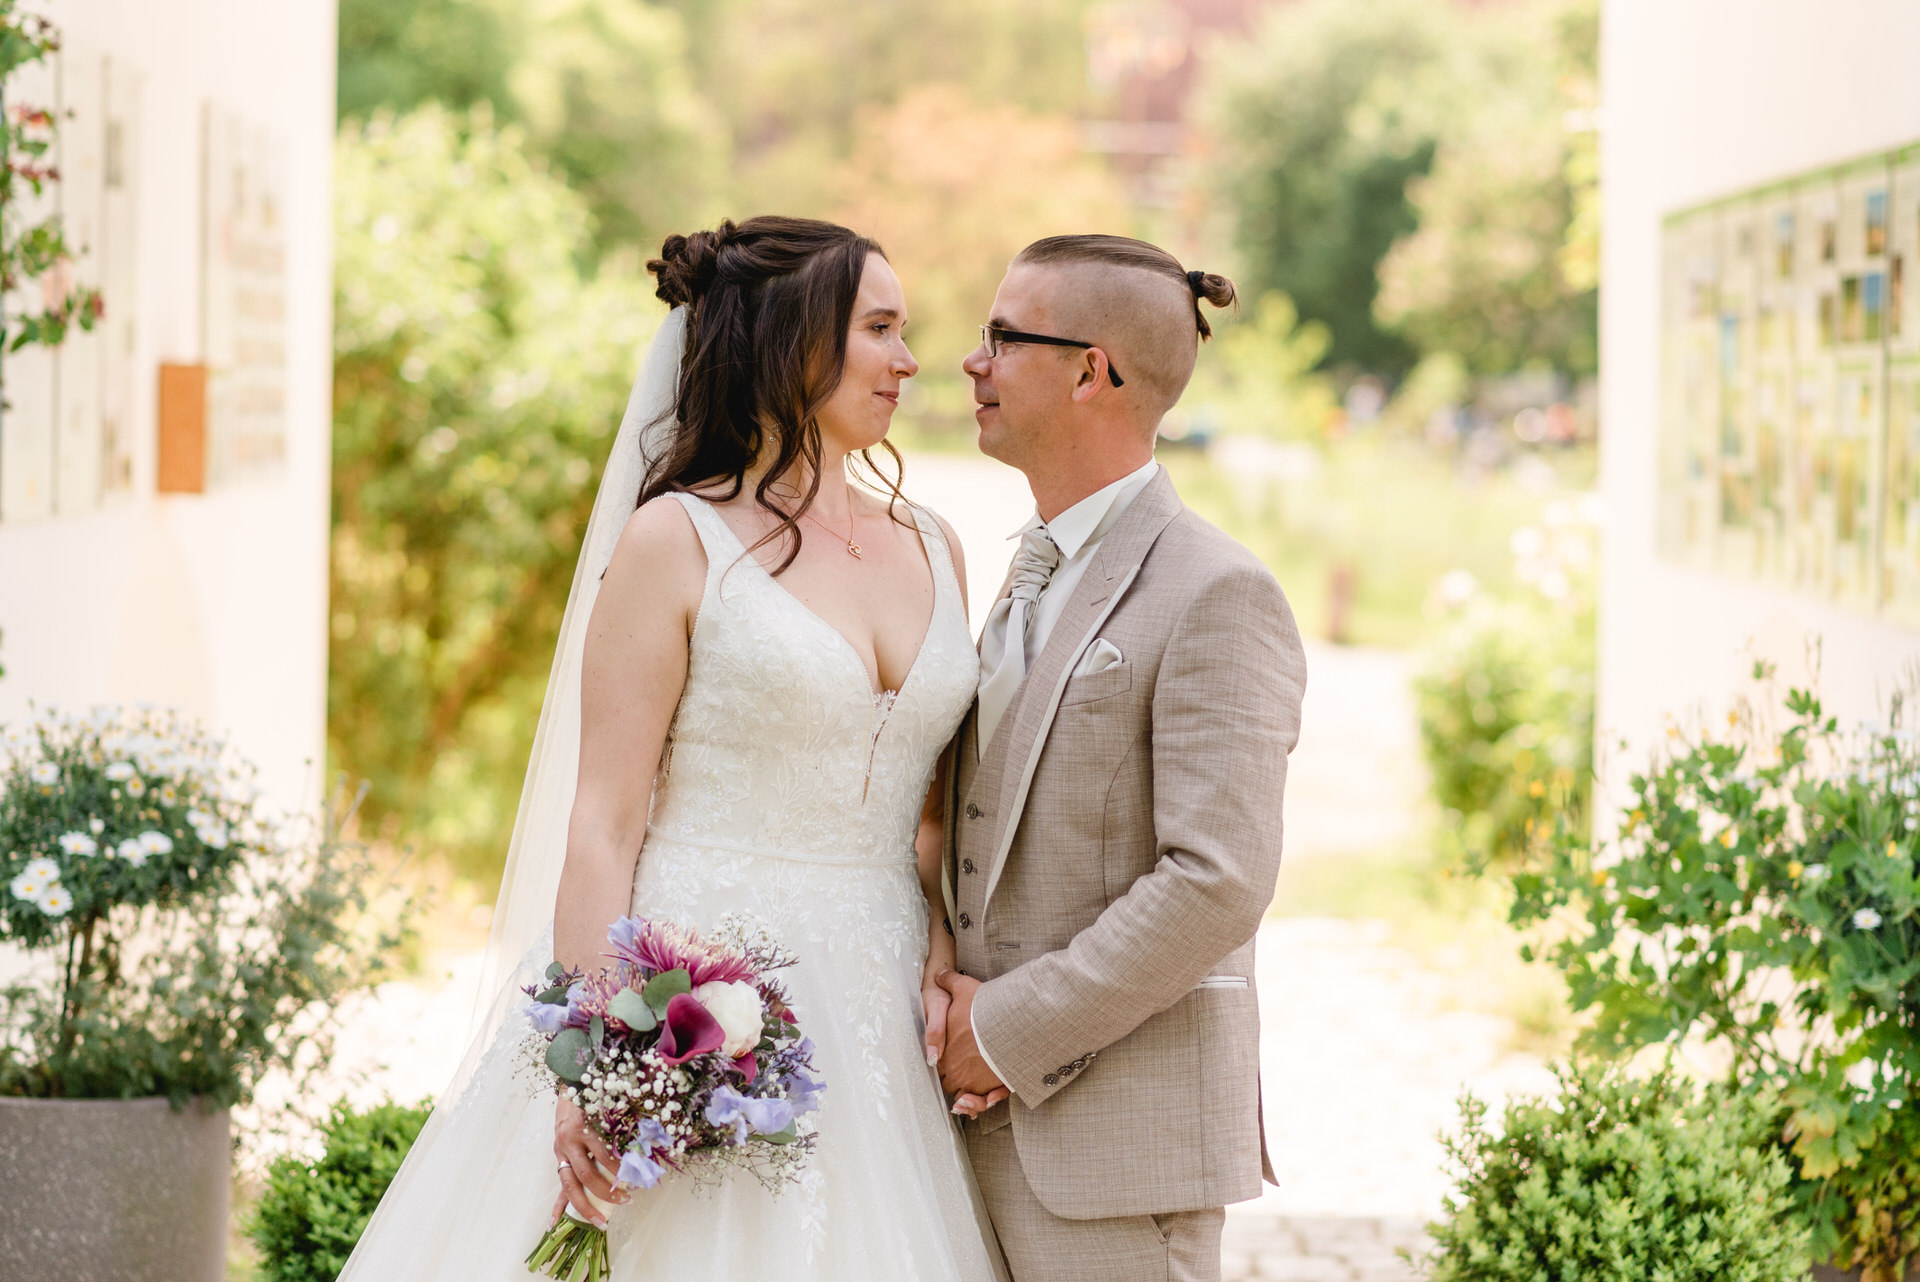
[631,675]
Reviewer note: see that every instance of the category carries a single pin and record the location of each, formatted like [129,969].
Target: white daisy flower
[199,818]
[96,826]
[78,843]
[133,852]
[215,836]
[44,772]
[121,771]
[55,900]
[28,888]
[136,787]
[156,843]
[1867,919]
[42,869]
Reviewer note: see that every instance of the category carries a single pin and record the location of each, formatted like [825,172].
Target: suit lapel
[1014,752]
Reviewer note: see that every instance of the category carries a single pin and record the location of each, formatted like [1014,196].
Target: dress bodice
[780,745]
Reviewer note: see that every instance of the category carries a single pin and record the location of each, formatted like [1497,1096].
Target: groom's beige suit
[1111,850]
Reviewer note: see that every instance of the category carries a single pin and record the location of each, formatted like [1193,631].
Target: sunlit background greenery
[1406,191]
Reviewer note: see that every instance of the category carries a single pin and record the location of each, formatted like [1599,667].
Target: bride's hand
[581,1154]
[934,999]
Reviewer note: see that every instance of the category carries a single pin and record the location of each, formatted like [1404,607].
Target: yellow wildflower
[1795,868]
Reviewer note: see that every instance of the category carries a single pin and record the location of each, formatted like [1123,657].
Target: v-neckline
[874,695]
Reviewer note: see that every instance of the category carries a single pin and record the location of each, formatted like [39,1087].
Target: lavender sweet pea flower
[637,1170]
[549,1019]
[803,1092]
[748,1114]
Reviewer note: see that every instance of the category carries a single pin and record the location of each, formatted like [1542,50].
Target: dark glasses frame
[992,336]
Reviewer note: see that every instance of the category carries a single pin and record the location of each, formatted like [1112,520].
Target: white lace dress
[791,790]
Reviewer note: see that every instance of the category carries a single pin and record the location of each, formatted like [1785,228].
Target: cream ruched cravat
[1003,643]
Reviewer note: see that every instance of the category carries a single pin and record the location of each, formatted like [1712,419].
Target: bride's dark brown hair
[769,302]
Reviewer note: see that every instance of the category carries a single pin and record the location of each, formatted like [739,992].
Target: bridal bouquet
[685,1056]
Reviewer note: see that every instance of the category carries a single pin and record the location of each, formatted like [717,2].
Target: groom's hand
[962,1070]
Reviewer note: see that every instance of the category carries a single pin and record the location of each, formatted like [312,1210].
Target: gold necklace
[853,549]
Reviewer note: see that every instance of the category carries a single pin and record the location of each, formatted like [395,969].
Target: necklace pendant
[853,550]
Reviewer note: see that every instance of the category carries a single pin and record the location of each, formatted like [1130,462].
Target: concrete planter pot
[1827,1273]
[112,1191]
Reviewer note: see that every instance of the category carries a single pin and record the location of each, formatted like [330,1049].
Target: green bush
[1505,699]
[312,1213]
[1761,894]
[1620,1179]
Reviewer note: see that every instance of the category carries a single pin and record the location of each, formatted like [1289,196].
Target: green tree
[1318,124]
[398,54]
[479,374]
[1503,268]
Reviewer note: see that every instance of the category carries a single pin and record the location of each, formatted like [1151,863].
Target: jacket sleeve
[1226,712]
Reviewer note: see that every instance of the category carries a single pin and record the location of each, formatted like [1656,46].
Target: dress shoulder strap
[933,536]
[722,546]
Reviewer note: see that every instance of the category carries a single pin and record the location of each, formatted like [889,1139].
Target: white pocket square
[1103,654]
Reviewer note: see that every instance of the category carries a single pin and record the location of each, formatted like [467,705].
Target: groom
[1114,815]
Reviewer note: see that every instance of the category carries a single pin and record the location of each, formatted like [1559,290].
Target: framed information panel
[1789,442]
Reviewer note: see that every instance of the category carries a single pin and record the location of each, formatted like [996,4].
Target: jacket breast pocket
[1095,686]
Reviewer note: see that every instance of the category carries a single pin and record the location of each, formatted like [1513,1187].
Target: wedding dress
[792,790]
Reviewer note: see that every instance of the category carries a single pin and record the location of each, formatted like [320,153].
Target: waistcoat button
[966,866]
[966,922]
[973,811]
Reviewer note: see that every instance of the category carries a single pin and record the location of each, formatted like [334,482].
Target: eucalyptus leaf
[554,972]
[787,1136]
[555,996]
[631,1009]
[568,1053]
[666,986]
[597,1032]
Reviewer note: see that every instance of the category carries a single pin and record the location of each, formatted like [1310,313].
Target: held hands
[582,1155]
[962,1069]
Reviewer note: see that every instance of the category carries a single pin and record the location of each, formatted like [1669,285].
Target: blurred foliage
[1619,1180]
[1390,514]
[1319,123]
[1258,378]
[311,1214]
[479,375]
[913,182]
[398,54]
[1504,267]
[1761,895]
[1505,700]
[1419,176]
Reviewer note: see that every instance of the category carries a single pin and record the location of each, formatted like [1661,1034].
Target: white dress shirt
[1077,533]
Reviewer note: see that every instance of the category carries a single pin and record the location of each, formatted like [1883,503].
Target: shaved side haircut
[1137,300]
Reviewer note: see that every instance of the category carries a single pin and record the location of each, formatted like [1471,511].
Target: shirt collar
[1087,521]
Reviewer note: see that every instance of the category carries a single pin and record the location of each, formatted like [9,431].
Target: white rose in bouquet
[736,1007]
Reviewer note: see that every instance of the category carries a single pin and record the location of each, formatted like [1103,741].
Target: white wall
[1704,99]
[214,602]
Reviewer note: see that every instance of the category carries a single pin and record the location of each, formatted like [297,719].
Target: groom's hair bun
[688,265]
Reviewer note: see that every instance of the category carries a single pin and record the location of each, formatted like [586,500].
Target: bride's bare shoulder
[659,548]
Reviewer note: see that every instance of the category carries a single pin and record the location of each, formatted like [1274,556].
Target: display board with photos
[1789,445]
[66,439]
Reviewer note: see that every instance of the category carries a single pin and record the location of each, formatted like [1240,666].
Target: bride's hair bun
[688,265]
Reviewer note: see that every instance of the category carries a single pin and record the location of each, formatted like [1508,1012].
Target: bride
[760,666]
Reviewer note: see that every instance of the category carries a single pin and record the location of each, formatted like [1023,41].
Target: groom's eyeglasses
[993,336]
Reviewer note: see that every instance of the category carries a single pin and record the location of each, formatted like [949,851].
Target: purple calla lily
[688,1030]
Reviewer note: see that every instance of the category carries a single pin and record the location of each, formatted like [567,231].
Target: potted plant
[164,943]
[1760,898]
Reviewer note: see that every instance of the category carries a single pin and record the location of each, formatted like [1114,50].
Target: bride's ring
[565,1165]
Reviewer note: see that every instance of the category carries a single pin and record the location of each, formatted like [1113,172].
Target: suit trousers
[1042,1247]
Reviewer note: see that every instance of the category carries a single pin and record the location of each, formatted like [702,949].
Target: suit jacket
[1111,855]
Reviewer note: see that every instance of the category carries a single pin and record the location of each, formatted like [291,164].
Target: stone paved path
[1319,1248]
